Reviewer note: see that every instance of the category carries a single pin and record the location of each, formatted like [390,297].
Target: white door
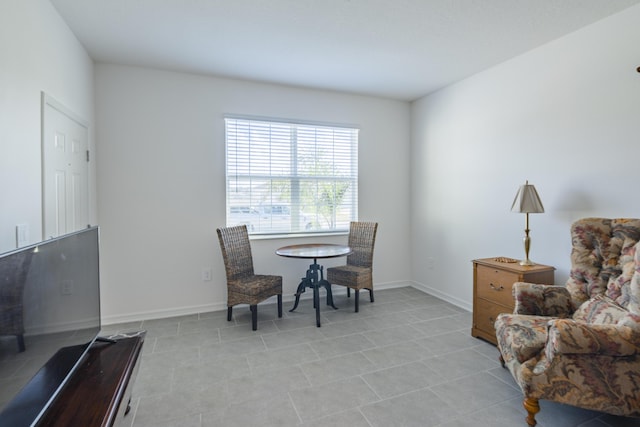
[65,170]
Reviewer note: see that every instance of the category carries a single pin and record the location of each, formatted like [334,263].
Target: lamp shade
[527,200]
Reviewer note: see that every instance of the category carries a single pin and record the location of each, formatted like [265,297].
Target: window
[290,177]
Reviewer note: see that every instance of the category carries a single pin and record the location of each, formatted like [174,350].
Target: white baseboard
[161,314]
[427,290]
[205,308]
[443,296]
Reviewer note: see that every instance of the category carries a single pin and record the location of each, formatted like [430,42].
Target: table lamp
[527,201]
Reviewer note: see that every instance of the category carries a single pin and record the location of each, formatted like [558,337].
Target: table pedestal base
[312,281]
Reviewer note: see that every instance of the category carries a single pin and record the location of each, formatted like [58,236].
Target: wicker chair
[13,276]
[358,273]
[243,286]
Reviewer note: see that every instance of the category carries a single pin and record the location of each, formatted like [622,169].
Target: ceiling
[401,49]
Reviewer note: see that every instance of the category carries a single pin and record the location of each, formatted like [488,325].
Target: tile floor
[406,360]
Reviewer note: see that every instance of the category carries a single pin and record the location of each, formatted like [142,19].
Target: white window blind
[290,177]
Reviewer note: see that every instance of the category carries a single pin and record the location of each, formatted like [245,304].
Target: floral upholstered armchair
[580,344]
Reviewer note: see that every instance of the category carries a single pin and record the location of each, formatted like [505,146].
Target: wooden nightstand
[492,283]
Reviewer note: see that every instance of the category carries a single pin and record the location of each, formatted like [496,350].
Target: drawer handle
[497,289]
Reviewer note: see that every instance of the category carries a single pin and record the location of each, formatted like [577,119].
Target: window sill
[297,235]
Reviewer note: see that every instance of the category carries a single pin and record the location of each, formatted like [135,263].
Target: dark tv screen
[49,305]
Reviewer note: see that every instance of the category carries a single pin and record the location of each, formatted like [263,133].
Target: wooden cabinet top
[512,266]
[93,395]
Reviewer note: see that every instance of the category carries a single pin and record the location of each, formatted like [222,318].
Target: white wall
[565,116]
[38,53]
[161,181]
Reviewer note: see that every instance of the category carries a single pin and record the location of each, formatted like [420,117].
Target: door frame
[48,100]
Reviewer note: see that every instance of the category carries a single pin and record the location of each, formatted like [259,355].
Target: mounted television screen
[49,317]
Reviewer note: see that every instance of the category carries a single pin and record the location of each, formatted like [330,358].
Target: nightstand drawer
[485,314]
[493,280]
[495,285]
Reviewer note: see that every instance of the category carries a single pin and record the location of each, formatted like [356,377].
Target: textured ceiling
[400,49]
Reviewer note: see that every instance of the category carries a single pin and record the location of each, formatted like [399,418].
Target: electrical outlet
[66,287]
[431,263]
[22,235]
[206,274]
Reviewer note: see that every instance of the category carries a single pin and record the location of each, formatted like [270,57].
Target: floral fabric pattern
[632,321]
[524,336]
[567,336]
[633,290]
[541,300]
[601,247]
[580,344]
[599,309]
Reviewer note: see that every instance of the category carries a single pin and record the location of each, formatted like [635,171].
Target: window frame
[341,184]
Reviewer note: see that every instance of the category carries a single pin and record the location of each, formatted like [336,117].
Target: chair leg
[371,294]
[357,292]
[21,346]
[254,317]
[348,292]
[533,407]
[229,312]
[279,305]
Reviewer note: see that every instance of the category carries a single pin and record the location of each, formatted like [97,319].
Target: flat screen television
[49,317]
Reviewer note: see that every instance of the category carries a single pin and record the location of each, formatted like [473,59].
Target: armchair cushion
[631,320]
[542,300]
[600,310]
[567,336]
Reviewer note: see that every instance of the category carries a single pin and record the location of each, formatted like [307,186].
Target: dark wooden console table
[97,394]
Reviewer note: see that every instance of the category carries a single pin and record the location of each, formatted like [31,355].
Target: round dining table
[314,278]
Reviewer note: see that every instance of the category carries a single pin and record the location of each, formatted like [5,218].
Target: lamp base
[527,262]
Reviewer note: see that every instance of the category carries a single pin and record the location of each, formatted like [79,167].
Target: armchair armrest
[542,300]
[566,336]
